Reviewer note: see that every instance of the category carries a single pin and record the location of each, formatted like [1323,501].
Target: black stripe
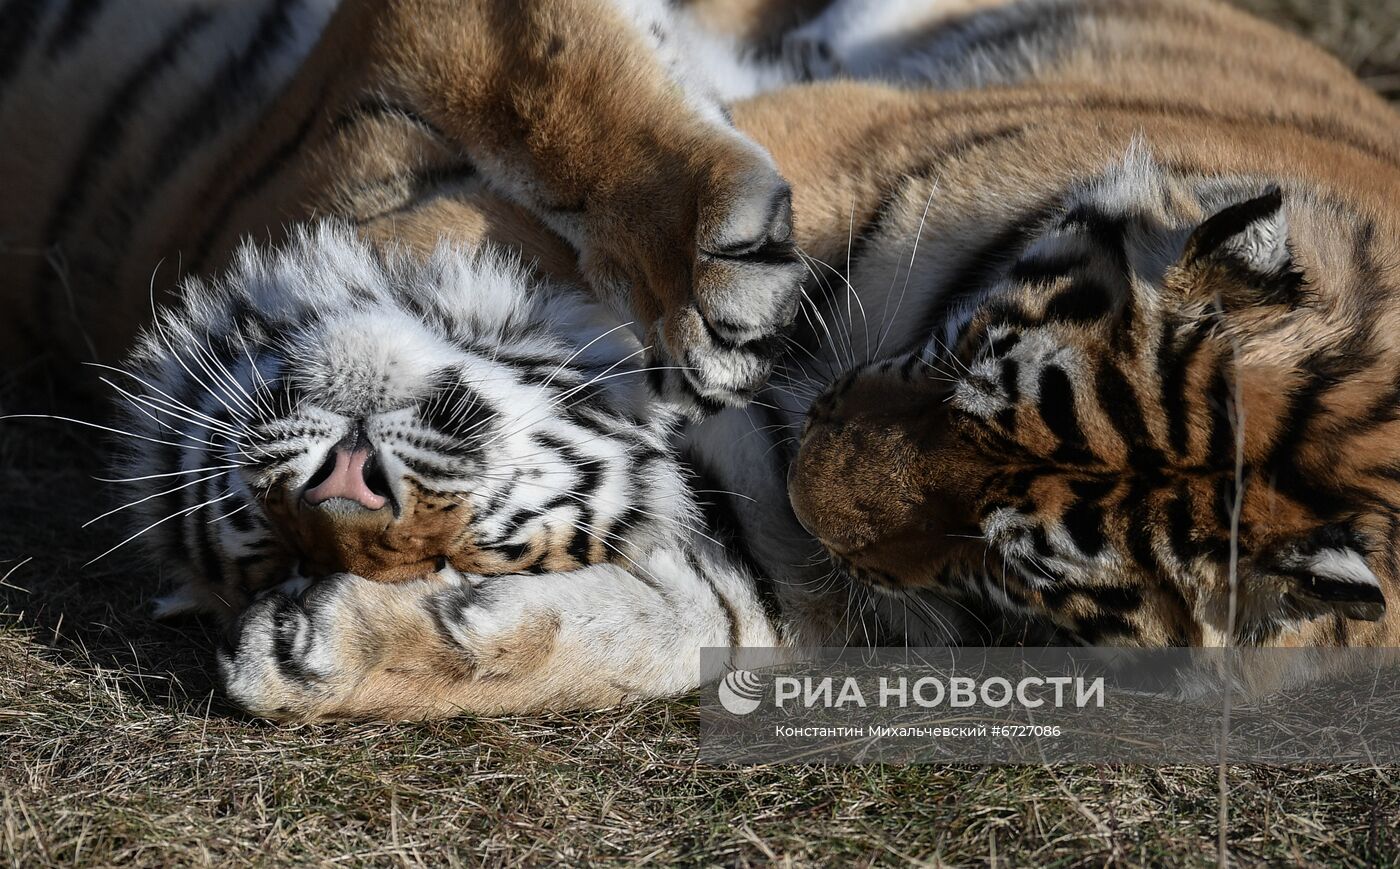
[1119,598]
[603,424]
[1136,506]
[1084,301]
[731,615]
[1003,345]
[1040,540]
[1223,498]
[590,478]
[1095,629]
[73,26]
[1108,598]
[1337,590]
[515,552]
[1046,269]
[19,21]
[1384,408]
[1220,400]
[1084,522]
[460,414]
[1105,231]
[287,618]
[251,185]
[413,188]
[243,521]
[1325,369]
[427,468]
[620,527]
[1057,409]
[1011,390]
[1123,411]
[1084,519]
[1175,365]
[1181,528]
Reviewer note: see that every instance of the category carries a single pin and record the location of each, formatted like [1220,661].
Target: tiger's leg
[351,648]
[586,112]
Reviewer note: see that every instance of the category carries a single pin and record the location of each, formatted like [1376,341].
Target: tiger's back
[113,113]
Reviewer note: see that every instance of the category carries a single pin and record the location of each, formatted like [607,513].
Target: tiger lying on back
[1082,236]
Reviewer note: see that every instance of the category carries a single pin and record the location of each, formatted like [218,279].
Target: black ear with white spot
[1253,234]
[1250,240]
[1328,573]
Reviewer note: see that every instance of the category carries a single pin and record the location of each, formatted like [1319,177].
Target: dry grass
[115,748]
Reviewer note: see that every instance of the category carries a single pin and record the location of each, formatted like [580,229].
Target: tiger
[1151,393]
[1021,182]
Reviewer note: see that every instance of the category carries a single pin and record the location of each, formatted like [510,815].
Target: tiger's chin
[422,534]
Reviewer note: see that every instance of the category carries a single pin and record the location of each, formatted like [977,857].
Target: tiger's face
[337,410]
[1175,382]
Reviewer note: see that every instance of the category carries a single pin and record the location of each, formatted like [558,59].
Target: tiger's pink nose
[345,475]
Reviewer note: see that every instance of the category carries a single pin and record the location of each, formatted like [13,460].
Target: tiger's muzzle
[883,482]
[347,518]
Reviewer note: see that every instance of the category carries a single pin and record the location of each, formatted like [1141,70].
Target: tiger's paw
[351,648]
[717,347]
[823,47]
[281,662]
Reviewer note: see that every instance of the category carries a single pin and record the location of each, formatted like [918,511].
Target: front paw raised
[718,347]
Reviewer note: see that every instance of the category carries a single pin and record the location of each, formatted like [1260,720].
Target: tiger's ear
[1252,234]
[1328,574]
[1248,242]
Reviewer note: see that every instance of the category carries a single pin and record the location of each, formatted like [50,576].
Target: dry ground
[115,748]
